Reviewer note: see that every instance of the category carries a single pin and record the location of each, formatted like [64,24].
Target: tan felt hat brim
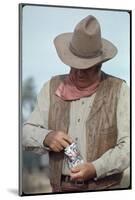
[62,42]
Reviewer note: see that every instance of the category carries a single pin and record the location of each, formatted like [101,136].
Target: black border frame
[20,164]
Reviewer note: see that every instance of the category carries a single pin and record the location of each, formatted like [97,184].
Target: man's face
[84,77]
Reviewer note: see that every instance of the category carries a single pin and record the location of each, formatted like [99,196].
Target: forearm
[33,138]
[114,160]
[117,159]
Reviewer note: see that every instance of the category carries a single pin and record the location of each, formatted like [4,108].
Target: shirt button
[78,120]
[82,102]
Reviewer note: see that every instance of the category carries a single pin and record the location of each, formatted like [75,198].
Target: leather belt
[68,185]
[67,179]
[73,185]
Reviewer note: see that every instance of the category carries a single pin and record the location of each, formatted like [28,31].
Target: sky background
[40,25]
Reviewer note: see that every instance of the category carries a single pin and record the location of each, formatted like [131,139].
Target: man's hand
[83,171]
[57,140]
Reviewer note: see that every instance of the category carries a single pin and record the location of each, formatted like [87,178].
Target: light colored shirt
[113,161]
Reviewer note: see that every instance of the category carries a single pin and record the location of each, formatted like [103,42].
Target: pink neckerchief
[68,91]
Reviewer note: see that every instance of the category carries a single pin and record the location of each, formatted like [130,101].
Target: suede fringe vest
[101,127]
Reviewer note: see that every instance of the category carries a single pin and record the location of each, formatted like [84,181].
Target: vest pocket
[107,139]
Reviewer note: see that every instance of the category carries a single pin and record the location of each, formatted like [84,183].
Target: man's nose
[80,73]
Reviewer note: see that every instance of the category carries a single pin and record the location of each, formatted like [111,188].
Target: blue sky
[42,24]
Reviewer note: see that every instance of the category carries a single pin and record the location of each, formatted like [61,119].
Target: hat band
[93,55]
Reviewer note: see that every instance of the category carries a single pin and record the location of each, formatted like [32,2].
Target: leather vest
[101,127]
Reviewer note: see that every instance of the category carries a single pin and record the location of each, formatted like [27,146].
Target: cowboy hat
[84,48]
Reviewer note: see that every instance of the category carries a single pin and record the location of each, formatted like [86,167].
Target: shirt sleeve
[35,128]
[117,159]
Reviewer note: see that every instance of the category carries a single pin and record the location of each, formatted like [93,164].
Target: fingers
[76,176]
[64,139]
[56,146]
[65,136]
[64,143]
[57,140]
[61,144]
[75,169]
[56,149]
[83,171]
[76,173]
[68,139]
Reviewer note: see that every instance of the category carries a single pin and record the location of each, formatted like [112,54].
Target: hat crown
[86,39]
